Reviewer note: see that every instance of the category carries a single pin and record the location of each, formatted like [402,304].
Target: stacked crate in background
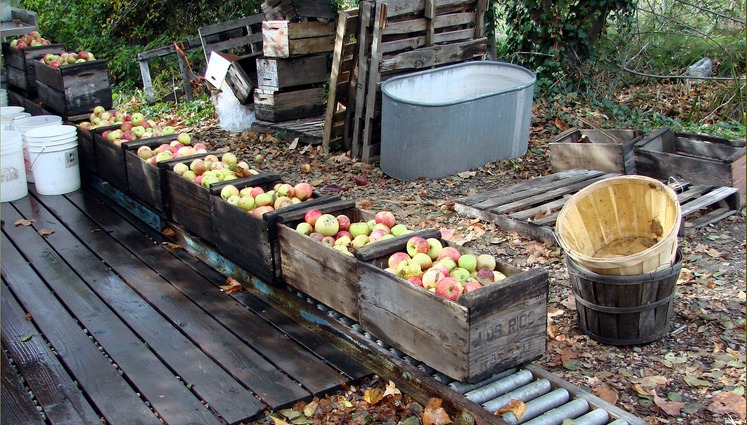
[294,67]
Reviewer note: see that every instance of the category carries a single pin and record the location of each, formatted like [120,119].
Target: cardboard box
[483,332]
[610,151]
[217,67]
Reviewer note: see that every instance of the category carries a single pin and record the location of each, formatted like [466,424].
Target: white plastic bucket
[7,122]
[28,123]
[41,135]
[55,167]
[12,177]
[3,97]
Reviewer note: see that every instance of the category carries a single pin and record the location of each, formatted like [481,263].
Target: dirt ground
[695,374]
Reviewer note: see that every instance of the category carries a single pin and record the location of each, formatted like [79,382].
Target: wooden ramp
[100,319]
[532,206]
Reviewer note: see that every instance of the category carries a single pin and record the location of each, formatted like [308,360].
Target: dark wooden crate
[241,77]
[110,161]
[296,10]
[20,65]
[279,74]
[86,142]
[319,271]
[610,151]
[483,332]
[75,88]
[694,158]
[235,228]
[278,106]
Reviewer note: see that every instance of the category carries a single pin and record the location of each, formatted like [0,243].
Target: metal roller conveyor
[525,393]
[500,387]
[538,406]
[556,416]
[595,417]
[463,387]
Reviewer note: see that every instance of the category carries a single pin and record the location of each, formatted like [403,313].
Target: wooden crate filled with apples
[466,315]
[73,83]
[245,214]
[90,125]
[19,55]
[317,246]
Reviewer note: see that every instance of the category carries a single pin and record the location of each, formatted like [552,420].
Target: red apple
[305,168]
[303,190]
[343,221]
[415,281]
[312,216]
[451,252]
[471,284]
[343,233]
[417,244]
[431,277]
[449,288]
[397,258]
[385,217]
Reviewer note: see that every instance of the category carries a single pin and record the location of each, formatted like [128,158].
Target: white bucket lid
[54,147]
[10,139]
[27,123]
[40,133]
[10,110]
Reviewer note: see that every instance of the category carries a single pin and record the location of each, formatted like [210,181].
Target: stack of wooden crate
[382,40]
[292,72]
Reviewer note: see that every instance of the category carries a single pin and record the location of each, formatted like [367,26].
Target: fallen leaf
[517,407]
[26,338]
[606,393]
[696,382]
[671,408]
[391,389]
[278,421]
[434,414]
[45,232]
[232,285]
[168,232]
[172,245]
[293,144]
[372,396]
[310,408]
[23,222]
[467,174]
[728,402]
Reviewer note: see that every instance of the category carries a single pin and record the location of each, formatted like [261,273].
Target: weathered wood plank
[16,403]
[276,74]
[372,81]
[284,39]
[434,55]
[55,391]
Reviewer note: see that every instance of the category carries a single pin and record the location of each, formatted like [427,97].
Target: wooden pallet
[307,130]
[532,206]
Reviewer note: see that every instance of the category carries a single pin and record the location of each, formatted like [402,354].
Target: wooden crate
[319,271]
[86,142]
[610,151]
[280,74]
[110,161]
[75,88]
[700,159]
[285,39]
[483,332]
[236,230]
[275,106]
[20,68]
[241,77]
[297,10]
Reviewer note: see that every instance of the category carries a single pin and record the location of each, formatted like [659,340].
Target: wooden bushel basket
[624,225]
[624,310]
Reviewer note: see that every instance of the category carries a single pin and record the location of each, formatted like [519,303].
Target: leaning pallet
[395,38]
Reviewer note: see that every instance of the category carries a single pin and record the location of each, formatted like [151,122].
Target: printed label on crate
[71,159]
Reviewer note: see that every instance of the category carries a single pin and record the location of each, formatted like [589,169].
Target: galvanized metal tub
[452,119]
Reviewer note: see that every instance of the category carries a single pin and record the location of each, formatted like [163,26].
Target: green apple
[468,262]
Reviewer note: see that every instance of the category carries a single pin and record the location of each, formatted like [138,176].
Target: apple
[286,189]
[471,284]
[449,288]
[408,268]
[115,135]
[189,174]
[359,228]
[447,262]
[145,152]
[233,200]
[385,217]
[137,119]
[312,216]
[498,276]
[281,202]
[342,234]
[431,277]
[181,168]
[423,259]
[303,191]
[125,126]
[305,168]
[327,225]
[397,258]
[383,227]
[328,240]
[441,267]
[451,252]
[316,236]
[304,228]
[256,191]
[415,281]
[343,240]
[229,190]
[344,222]
[376,235]
[260,211]
[168,130]
[360,240]
[485,261]
[184,139]
[467,261]
[138,130]
[460,274]
[485,276]
[417,244]
[259,158]
[398,229]
[264,199]
[106,115]
[435,248]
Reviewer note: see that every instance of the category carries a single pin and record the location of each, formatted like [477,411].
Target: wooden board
[285,39]
[305,130]
[276,106]
[298,10]
[609,150]
[241,77]
[279,74]
[20,67]
[242,36]
[532,206]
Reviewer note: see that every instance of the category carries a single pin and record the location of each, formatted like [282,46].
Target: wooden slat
[16,403]
[55,391]
[79,354]
[154,379]
[260,335]
[373,81]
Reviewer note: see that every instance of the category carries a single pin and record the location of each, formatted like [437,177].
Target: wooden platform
[101,319]
[532,206]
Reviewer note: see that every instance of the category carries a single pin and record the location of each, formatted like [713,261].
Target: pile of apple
[170,150]
[135,126]
[339,233]
[210,169]
[258,201]
[443,269]
[32,39]
[101,117]
[67,58]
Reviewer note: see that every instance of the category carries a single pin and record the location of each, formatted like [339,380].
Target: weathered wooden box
[481,333]
[21,70]
[241,77]
[285,39]
[86,142]
[279,74]
[75,88]
[236,228]
[110,161]
[320,271]
[604,150]
[276,106]
[694,158]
